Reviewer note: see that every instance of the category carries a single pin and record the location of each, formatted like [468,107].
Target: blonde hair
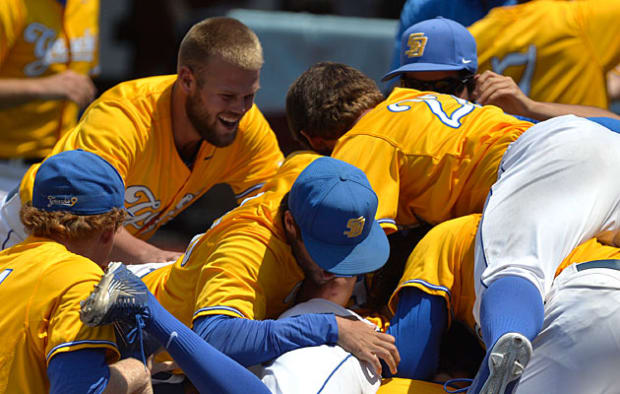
[224,37]
[68,225]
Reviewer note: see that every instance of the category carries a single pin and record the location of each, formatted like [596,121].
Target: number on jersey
[453,120]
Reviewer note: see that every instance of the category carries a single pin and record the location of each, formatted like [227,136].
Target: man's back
[557,51]
[429,156]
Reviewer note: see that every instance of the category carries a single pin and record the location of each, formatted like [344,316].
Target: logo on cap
[355,227]
[65,202]
[416,43]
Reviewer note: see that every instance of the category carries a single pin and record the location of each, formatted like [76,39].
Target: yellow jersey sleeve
[442,264]
[247,273]
[258,157]
[380,160]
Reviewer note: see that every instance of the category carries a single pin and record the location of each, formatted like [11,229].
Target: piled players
[424,156]
[431,157]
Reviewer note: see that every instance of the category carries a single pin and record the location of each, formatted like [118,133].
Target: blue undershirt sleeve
[418,325]
[610,123]
[251,342]
[79,371]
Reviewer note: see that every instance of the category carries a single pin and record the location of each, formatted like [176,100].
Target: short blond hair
[224,37]
[68,225]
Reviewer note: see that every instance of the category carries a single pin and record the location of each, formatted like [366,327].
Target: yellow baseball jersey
[39,38]
[428,156]
[242,266]
[41,286]
[130,126]
[442,264]
[558,51]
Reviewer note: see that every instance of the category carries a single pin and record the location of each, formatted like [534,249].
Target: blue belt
[611,264]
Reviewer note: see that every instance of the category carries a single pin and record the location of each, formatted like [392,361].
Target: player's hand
[68,85]
[361,340]
[156,255]
[501,91]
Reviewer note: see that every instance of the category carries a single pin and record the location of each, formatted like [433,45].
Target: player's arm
[67,85]
[252,342]
[86,371]
[425,315]
[133,250]
[503,92]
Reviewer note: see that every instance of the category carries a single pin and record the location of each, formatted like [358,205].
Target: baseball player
[252,264]
[558,51]
[77,206]
[173,137]
[464,12]
[443,155]
[570,355]
[48,50]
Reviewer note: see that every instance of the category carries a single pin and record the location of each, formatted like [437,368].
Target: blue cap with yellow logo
[438,44]
[334,206]
[79,182]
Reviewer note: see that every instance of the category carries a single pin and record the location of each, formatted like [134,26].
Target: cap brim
[367,256]
[422,67]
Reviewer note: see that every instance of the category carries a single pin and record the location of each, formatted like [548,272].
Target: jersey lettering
[50,50]
[453,120]
[518,59]
[4,274]
[132,195]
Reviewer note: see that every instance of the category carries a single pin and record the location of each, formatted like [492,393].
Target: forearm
[543,111]
[128,376]
[251,342]
[14,92]
[133,250]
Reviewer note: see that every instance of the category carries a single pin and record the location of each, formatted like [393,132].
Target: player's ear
[290,227]
[107,235]
[186,78]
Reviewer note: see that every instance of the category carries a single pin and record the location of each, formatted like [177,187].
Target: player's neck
[186,138]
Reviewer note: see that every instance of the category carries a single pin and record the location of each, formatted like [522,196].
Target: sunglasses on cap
[446,85]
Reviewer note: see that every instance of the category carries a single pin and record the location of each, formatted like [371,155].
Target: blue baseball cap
[334,206]
[79,182]
[438,44]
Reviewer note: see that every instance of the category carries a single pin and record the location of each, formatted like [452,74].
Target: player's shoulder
[138,91]
[51,261]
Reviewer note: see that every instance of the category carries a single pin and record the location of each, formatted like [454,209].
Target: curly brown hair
[68,225]
[327,99]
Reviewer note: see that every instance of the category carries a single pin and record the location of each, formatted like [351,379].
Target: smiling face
[219,97]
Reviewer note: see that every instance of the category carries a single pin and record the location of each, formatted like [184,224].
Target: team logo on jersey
[416,44]
[355,227]
[62,201]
